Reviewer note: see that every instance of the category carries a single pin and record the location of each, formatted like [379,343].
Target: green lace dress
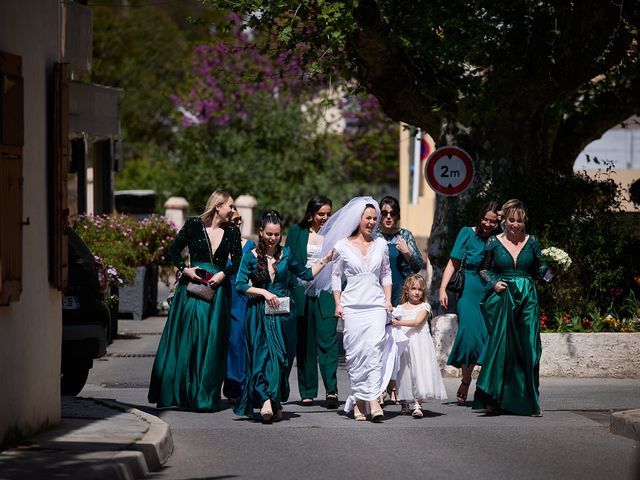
[511,359]
[266,335]
[190,363]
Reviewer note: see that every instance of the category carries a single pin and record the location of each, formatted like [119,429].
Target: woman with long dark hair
[264,277]
[317,342]
[472,332]
[190,364]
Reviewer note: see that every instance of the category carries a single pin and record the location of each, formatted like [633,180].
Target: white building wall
[31,329]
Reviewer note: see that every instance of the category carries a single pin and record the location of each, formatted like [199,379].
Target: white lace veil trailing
[340,225]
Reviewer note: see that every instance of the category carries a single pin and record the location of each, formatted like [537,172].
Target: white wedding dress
[418,372]
[368,343]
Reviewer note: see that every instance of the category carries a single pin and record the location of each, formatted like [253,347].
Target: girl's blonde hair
[408,283]
[216,199]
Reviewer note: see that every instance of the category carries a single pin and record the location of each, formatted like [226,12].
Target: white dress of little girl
[418,373]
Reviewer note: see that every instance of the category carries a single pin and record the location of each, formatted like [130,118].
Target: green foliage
[276,156]
[123,242]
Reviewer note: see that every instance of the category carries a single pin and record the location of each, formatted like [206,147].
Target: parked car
[86,319]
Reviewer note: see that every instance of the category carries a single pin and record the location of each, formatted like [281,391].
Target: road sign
[449,171]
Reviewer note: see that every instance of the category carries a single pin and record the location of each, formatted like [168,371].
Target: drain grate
[125,385]
[130,355]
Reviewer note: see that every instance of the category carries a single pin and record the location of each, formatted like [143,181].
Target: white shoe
[417,413]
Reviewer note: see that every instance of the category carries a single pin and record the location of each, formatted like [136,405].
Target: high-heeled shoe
[358,412]
[266,413]
[377,415]
[461,397]
[277,416]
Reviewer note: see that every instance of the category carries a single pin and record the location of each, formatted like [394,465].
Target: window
[11,180]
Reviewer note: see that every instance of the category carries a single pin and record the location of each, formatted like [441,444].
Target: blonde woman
[509,377]
[190,364]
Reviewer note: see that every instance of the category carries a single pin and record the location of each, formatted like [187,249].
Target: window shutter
[11,181]
[60,168]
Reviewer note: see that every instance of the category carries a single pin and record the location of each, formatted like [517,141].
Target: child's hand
[396,323]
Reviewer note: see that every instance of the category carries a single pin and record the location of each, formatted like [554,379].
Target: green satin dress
[190,363]
[511,359]
[266,335]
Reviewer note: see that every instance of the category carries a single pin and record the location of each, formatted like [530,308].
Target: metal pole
[415,190]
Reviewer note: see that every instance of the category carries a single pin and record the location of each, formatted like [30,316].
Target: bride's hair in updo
[270,217]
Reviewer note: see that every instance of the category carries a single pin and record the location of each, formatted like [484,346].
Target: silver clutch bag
[283,307]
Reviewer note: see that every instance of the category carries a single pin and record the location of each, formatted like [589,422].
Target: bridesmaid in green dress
[264,277]
[190,364]
[472,332]
[509,377]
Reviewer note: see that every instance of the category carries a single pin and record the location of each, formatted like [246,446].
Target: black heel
[462,397]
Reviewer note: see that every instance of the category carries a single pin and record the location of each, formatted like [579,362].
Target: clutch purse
[203,291]
[283,307]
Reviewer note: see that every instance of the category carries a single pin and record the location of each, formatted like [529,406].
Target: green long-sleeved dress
[266,335]
[190,363]
[511,359]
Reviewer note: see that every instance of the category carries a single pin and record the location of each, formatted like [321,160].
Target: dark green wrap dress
[190,363]
[266,335]
[511,360]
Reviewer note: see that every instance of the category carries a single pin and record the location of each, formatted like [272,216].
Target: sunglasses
[387,213]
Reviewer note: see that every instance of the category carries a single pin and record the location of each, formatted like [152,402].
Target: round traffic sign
[449,170]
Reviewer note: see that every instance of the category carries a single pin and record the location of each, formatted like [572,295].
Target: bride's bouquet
[557,259]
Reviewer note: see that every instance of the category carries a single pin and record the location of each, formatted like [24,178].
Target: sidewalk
[97,439]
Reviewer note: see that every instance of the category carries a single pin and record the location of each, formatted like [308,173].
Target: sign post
[449,171]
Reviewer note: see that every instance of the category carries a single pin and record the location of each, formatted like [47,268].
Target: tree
[522,86]
[243,128]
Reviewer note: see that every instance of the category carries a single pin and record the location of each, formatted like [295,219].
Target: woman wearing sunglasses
[404,255]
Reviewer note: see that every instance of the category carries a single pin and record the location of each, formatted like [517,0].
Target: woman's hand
[271,299]
[500,287]
[328,257]
[402,246]
[388,306]
[339,312]
[217,279]
[192,276]
[443,297]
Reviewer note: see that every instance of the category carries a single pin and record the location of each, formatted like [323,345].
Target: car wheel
[72,382]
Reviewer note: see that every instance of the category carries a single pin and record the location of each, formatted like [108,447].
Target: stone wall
[584,355]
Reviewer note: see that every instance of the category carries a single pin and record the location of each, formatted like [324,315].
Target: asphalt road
[571,441]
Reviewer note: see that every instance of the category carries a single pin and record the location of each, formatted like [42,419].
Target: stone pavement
[97,439]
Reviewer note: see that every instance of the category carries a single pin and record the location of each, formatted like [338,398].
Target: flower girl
[418,376]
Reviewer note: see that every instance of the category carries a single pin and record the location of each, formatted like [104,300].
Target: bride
[363,304]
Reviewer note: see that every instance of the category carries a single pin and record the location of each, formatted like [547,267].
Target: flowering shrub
[123,243]
[590,320]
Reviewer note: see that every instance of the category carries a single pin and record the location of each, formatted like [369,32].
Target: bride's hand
[339,312]
[388,307]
